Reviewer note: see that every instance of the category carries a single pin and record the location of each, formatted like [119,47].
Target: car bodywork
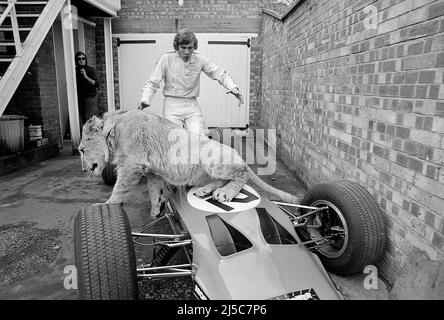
[247,254]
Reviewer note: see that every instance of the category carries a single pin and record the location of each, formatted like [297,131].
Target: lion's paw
[154,213]
[224,194]
[202,192]
[157,210]
[98,204]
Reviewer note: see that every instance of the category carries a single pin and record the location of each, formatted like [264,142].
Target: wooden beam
[109,64]
[71,84]
[18,67]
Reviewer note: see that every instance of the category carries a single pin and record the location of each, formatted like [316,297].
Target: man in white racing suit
[180,70]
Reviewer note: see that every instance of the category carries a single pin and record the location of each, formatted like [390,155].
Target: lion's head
[93,147]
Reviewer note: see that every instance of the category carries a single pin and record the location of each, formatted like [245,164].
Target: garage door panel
[216,100]
[137,61]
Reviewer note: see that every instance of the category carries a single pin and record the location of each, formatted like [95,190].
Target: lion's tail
[284,196]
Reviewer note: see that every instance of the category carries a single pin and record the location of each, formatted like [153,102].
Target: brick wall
[36,97]
[116,74]
[101,64]
[159,16]
[364,104]
[90,44]
[218,16]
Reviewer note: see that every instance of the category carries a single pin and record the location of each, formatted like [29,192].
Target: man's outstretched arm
[151,86]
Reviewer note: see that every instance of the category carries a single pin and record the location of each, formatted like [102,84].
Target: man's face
[81,60]
[185,51]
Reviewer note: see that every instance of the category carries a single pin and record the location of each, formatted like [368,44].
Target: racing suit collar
[191,61]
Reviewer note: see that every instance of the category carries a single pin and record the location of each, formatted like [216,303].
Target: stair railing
[11,11]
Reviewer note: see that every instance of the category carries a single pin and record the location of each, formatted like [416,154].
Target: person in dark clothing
[87,84]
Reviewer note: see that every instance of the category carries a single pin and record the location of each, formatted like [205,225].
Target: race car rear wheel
[109,174]
[105,258]
[351,233]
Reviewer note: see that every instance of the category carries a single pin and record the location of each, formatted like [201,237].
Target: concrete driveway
[37,209]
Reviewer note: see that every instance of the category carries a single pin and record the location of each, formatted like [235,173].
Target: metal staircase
[23,27]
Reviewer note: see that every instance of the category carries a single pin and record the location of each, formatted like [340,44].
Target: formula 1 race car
[250,248]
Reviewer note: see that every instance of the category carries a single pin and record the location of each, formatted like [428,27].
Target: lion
[142,144]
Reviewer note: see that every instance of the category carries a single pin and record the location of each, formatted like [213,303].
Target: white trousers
[185,112]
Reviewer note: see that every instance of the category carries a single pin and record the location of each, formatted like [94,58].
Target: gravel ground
[25,250]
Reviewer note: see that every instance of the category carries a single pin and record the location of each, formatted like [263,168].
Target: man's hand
[85,76]
[144,105]
[235,92]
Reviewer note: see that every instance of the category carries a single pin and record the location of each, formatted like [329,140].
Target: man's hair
[80,53]
[183,37]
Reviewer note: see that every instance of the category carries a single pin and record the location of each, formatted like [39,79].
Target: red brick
[433,92]
[389,66]
[407,91]
[440,60]
[431,171]
[415,48]
[414,209]
[405,205]
[402,159]
[436,10]
[410,147]
[402,132]
[426,77]
[439,109]
[411,77]
[420,92]
[428,123]
[415,165]
[398,78]
[425,152]
[397,144]
[438,240]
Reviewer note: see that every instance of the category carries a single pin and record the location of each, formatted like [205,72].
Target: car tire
[109,174]
[105,258]
[216,134]
[362,220]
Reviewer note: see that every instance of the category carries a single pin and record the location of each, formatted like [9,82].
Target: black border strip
[243,43]
[137,41]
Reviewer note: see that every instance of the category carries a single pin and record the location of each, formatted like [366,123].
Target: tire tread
[105,255]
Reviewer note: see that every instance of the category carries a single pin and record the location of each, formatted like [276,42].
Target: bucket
[35,132]
[12,134]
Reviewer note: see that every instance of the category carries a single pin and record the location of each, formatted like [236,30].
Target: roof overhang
[97,8]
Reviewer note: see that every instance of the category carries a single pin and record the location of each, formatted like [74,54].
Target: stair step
[10,29]
[6,60]
[7,44]
[4,55]
[25,2]
[28,15]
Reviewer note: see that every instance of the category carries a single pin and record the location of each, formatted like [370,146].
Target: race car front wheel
[105,258]
[348,232]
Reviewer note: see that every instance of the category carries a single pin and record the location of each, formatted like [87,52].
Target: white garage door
[138,54]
